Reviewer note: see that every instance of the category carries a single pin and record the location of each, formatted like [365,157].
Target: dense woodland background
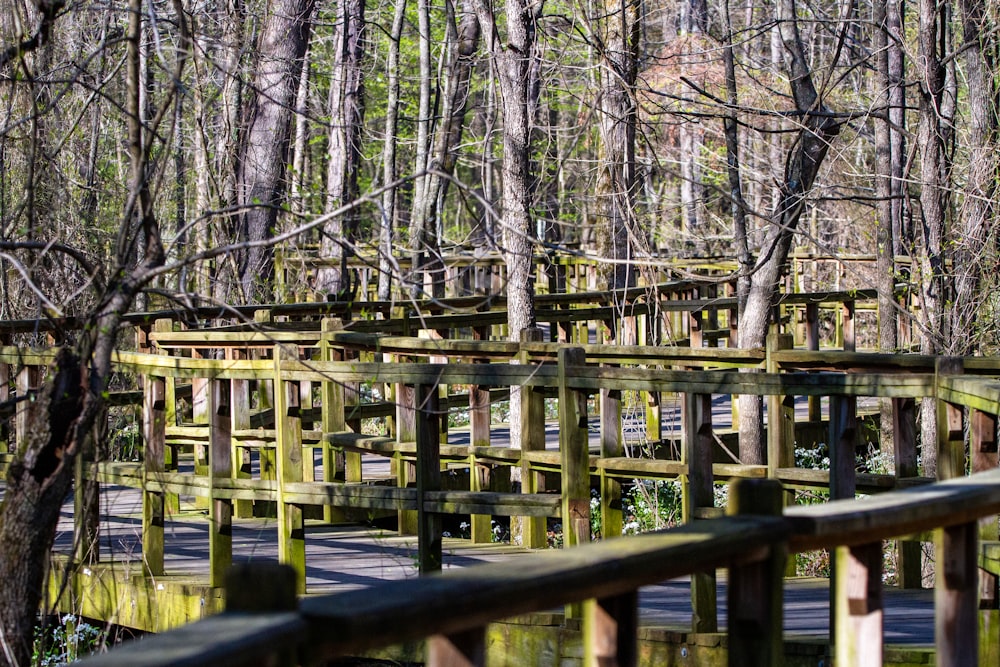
[623,130]
[156,153]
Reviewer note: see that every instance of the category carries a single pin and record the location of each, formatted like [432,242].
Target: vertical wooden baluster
[575,453]
[755,597]
[950,426]
[428,476]
[812,343]
[697,493]
[532,440]
[288,445]
[909,553]
[610,628]
[333,400]
[956,596]
[154,435]
[220,449]
[239,408]
[984,451]
[462,649]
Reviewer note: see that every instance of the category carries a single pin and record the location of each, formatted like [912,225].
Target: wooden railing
[273,390]
[453,609]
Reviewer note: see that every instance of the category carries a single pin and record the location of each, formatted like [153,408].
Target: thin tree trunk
[387,264]
[818,129]
[977,218]
[344,153]
[934,192]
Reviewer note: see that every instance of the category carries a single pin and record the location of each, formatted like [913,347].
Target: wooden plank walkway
[353,557]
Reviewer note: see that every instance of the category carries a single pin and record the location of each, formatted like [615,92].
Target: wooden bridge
[268,418]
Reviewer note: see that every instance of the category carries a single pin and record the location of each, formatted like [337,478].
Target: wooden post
[266,399]
[239,409]
[698,493]
[533,532]
[332,415]
[220,448]
[262,587]
[610,628]
[288,446]
[406,431]
[850,344]
[857,601]
[950,427]
[909,554]
[983,448]
[755,597]
[428,476]
[611,445]
[812,343]
[956,596]
[780,417]
[154,435]
[200,415]
[842,439]
[462,649]
[479,436]
[574,450]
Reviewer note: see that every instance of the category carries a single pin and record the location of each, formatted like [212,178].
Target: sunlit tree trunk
[344,151]
[262,178]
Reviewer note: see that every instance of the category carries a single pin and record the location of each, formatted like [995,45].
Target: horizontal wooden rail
[460,601]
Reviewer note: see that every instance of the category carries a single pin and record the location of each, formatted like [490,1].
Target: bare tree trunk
[387,264]
[887,208]
[818,128]
[934,138]
[65,411]
[621,235]
[737,205]
[344,153]
[463,41]
[423,239]
[262,183]
[514,58]
[977,218]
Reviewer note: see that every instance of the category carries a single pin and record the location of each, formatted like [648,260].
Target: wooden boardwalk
[347,558]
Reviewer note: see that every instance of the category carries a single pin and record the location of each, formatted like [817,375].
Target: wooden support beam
[533,529]
[612,445]
[406,431]
[698,492]
[909,553]
[332,419]
[154,435]
[812,343]
[428,414]
[850,343]
[462,649]
[857,601]
[574,452]
[220,448]
[780,417]
[950,425]
[288,450]
[610,628]
[956,596]
[983,448]
[755,596]
[239,413]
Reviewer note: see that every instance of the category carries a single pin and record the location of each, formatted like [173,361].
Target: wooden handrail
[459,600]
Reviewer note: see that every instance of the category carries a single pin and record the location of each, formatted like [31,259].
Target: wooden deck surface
[352,557]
